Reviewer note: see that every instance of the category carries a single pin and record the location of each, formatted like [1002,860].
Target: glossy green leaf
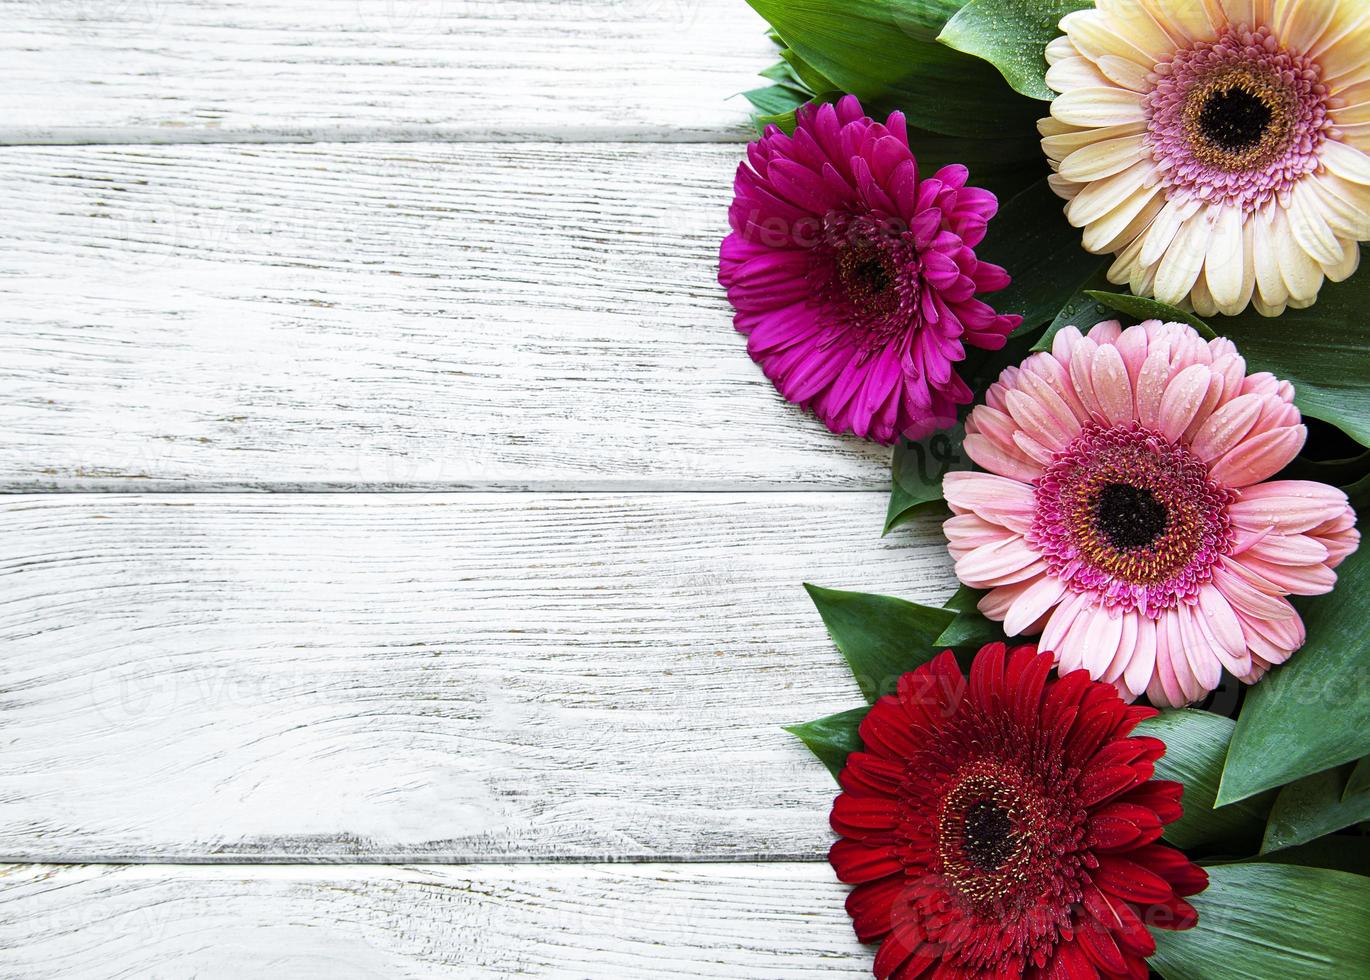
[1313,712]
[1359,780]
[1081,310]
[833,738]
[775,99]
[1271,922]
[1313,806]
[1340,852]
[880,636]
[1139,308]
[917,472]
[1195,745]
[970,630]
[1323,351]
[1031,238]
[1012,36]
[879,51]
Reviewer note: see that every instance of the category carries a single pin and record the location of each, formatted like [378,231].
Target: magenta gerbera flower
[1125,515]
[854,279]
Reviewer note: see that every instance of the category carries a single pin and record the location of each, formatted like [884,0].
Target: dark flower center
[868,275]
[1234,118]
[1130,517]
[987,835]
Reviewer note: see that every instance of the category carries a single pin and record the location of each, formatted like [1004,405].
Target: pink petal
[995,498]
[1001,563]
[1259,457]
[1032,603]
[1289,506]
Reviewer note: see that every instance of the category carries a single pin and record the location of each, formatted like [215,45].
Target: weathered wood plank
[407,676]
[426,316]
[403,923]
[195,70]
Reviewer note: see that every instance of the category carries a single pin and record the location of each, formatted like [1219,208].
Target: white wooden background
[488,681]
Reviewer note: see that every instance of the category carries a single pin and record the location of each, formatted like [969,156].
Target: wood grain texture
[368,316]
[242,70]
[428,677]
[405,923]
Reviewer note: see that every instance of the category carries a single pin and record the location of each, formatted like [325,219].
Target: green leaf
[1340,852]
[810,77]
[1142,308]
[1003,166]
[1031,238]
[918,469]
[880,636]
[1012,36]
[833,738]
[1081,310]
[1270,922]
[775,99]
[969,631]
[879,51]
[1314,806]
[1359,780]
[1313,712]
[1195,744]
[1322,351]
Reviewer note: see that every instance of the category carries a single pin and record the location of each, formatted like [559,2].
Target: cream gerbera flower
[1216,147]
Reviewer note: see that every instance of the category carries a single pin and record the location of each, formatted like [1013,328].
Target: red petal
[1118,917]
[888,731]
[1130,881]
[856,862]
[898,946]
[870,775]
[871,907]
[1159,795]
[863,817]
[1098,785]
[1028,685]
[987,676]
[931,694]
[1112,833]
[1099,946]
[1071,964]
[1173,914]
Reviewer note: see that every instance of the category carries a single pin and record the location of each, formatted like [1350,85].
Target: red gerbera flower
[1009,826]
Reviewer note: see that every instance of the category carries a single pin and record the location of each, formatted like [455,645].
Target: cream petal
[1104,158]
[1162,231]
[1301,275]
[1350,261]
[1346,162]
[1299,23]
[1185,257]
[1058,146]
[1310,228]
[1185,21]
[1349,20]
[1225,262]
[1100,197]
[1095,35]
[1238,11]
[1099,106]
[1060,47]
[1072,73]
[1142,31]
[1271,293]
[1124,72]
[1126,223]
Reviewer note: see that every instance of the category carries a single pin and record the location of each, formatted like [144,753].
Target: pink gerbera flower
[854,280]
[1124,515]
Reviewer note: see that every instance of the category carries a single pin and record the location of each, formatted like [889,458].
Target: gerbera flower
[854,279]
[1124,514]
[1217,148]
[1009,827]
